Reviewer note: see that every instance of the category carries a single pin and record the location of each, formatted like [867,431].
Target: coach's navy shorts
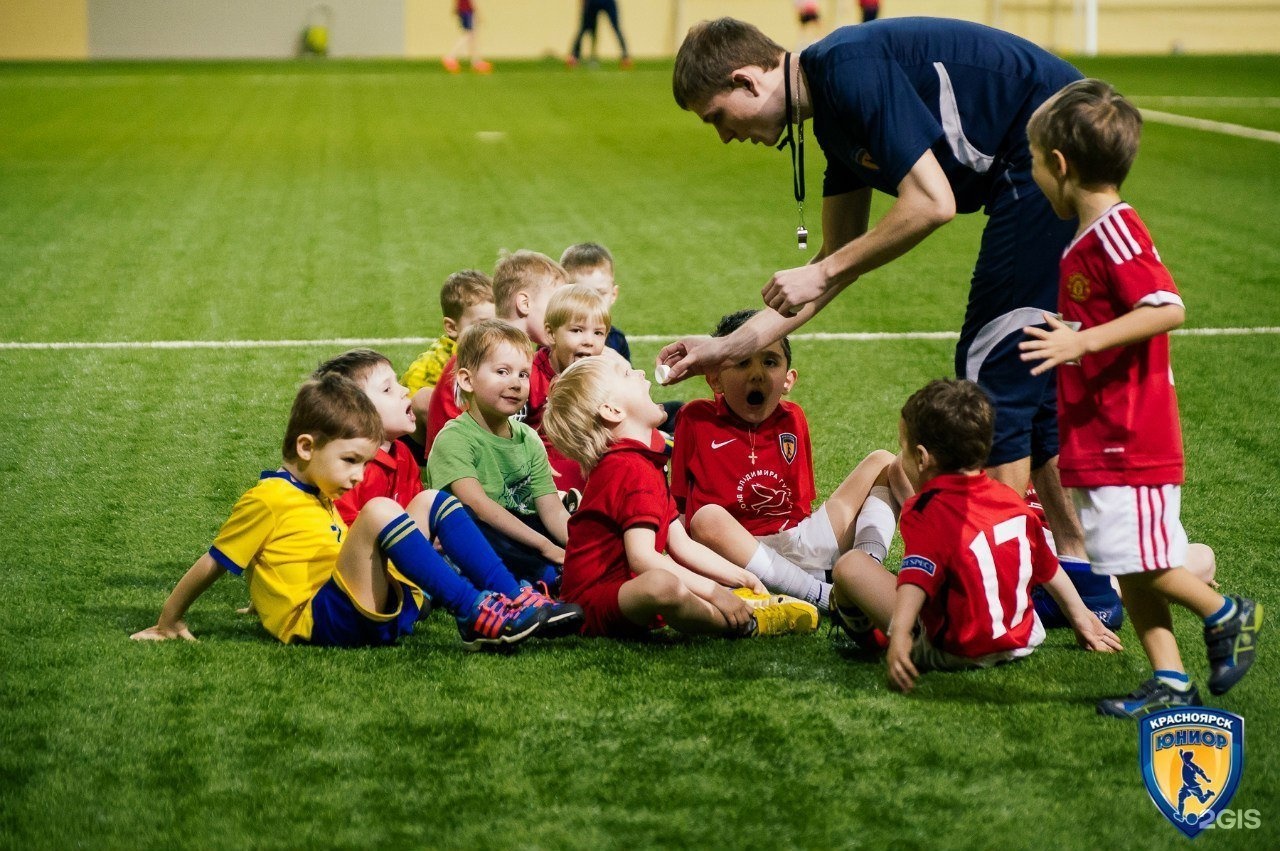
[342,622]
[1014,282]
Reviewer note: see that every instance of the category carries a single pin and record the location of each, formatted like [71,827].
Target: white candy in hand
[662,372]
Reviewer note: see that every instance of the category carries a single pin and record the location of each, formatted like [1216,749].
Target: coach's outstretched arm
[925,203]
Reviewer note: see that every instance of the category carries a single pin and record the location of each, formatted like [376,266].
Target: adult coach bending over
[933,112]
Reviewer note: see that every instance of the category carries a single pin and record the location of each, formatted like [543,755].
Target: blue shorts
[523,562]
[1014,281]
[342,622]
[467,20]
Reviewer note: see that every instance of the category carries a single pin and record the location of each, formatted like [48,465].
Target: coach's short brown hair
[954,420]
[331,407]
[712,51]
[1094,127]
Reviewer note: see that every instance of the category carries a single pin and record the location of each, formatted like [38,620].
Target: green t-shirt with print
[513,471]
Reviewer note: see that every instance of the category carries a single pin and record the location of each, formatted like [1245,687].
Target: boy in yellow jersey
[313,580]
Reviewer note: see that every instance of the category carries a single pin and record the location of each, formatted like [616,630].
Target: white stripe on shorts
[1132,529]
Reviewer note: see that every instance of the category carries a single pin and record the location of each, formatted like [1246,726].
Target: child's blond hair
[523,271]
[462,290]
[479,341]
[571,420]
[585,256]
[576,303]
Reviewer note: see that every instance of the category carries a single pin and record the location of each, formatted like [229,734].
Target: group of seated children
[337,543]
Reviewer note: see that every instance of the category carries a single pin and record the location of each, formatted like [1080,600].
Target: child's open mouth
[755,397]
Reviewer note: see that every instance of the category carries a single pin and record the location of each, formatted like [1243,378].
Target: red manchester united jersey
[762,474]
[626,488]
[1117,409]
[976,549]
[395,475]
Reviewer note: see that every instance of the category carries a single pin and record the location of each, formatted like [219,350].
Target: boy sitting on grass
[577,323]
[522,283]
[972,551]
[629,563]
[465,299]
[393,473]
[742,475]
[496,465]
[1122,451]
[314,580]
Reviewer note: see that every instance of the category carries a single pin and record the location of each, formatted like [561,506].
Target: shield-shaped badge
[1191,761]
[788,444]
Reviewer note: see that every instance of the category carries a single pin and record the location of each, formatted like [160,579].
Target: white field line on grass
[1211,126]
[350,342]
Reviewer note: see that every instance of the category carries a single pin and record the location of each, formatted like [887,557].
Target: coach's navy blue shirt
[885,92]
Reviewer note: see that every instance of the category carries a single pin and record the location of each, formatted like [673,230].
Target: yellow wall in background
[44,29]
[59,29]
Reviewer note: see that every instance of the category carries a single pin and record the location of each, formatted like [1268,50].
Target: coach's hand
[690,356]
[791,289]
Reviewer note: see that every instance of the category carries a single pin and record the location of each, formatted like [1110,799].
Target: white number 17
[1013,529]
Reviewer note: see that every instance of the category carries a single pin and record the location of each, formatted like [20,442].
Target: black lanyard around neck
[797,151]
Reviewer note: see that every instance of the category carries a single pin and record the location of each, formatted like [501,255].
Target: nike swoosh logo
[715,445]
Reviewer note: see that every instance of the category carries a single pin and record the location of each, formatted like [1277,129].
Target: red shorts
[603,614]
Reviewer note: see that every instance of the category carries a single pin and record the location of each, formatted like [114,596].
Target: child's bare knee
[706,522]
[663,589]
[379,511]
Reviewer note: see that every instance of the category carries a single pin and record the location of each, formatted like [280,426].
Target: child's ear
[450,328]
[789,381]
[521,302]
[713,380]
[463,379]
[1059,162]
[611,415]
[305,446]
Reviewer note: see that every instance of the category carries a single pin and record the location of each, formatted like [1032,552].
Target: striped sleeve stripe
[1116,238]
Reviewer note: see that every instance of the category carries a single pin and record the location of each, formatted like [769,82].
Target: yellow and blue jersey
[287,536]
[425,371]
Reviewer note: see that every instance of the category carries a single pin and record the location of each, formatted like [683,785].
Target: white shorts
[926,657]
[810,545]
[1132,529]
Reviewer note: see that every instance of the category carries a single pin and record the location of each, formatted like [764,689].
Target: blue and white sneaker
[1232,645]
[1153,695]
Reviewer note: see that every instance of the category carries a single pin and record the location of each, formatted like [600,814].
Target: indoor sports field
[181,243]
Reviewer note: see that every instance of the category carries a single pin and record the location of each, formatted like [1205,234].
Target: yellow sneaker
[753,599]
[782,614]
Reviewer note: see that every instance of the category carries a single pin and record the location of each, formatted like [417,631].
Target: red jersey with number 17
[976,549]
[763,475]
[1117,409]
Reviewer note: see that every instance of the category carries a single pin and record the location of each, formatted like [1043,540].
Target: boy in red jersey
[629,563]
[742,475]
[972,551]
[1118,412]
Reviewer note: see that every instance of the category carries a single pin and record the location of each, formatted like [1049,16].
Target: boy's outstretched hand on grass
[164,633]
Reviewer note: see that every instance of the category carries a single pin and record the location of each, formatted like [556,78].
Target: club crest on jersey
[1078,287]
[1191,760]
[788,444]
[863,158]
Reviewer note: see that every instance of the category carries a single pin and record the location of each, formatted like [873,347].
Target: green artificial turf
[254,201]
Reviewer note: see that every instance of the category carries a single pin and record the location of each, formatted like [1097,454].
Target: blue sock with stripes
[1174,679]
[403,543]
[1228,610]
[466,545]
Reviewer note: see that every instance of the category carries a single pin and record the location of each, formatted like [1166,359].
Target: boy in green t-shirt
[497,466]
